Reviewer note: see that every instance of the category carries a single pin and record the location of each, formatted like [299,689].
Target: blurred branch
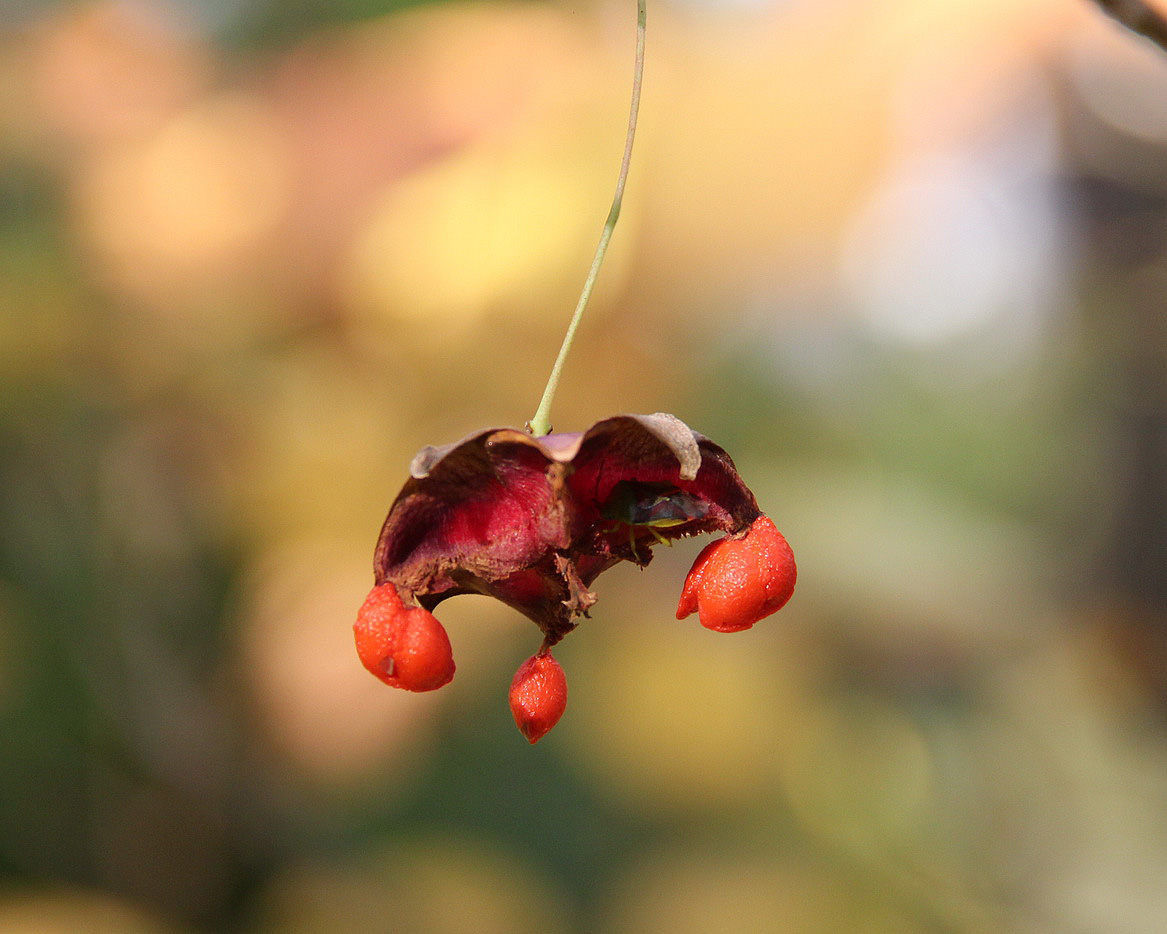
[1138,17]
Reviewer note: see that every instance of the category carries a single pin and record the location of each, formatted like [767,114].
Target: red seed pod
[404,646]
[737,581]
[538,695]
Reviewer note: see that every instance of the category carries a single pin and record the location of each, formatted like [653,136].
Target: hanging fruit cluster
[533,521]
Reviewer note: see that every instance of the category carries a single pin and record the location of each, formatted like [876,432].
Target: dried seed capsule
[538,695]
[404,646]
[737,581]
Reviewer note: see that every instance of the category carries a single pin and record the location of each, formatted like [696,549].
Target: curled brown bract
[532,521]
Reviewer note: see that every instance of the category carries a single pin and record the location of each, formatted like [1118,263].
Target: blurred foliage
[906,260]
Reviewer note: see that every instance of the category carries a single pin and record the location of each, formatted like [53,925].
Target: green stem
[540,424]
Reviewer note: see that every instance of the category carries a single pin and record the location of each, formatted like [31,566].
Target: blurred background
[905,259]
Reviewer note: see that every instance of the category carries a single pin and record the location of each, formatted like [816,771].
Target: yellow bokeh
[488,230]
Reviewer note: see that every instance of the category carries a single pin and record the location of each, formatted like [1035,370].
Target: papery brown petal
[666,429]
[483,509]
[523,519]
[661,449]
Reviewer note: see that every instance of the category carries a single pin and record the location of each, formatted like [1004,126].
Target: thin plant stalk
[540,424]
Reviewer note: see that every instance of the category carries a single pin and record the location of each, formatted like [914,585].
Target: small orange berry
[737,581]
[404,646]
[538,695]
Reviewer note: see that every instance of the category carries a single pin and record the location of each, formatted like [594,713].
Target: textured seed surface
[538,696]
[406,647]
[736,582]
